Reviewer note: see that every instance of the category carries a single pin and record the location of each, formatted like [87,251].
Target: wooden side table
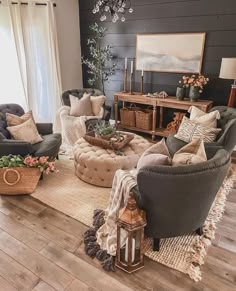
[161,103]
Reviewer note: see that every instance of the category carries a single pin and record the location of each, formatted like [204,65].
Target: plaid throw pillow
[190,130]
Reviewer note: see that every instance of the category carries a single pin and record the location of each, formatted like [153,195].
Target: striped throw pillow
[190,130]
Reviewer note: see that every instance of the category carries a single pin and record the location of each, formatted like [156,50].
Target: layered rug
[66,193]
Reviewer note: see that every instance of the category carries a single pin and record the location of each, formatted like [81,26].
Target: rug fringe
[201,243]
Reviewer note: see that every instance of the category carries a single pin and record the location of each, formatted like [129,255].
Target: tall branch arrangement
[99,63]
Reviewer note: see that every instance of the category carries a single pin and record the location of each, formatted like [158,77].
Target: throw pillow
[81,107]
[189,130]
[192,153]
[156,155]
[26,131]
[97,102]
[208,119]
[13,120]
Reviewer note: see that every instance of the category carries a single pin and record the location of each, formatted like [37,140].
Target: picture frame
[171,52]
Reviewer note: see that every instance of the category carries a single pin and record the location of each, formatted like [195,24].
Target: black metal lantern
[116,8]
[130,237]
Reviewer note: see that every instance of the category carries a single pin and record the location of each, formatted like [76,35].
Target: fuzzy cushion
[190,130]
[97,102]
[158,154]
[192,153]
[201,117]
[13,120]
[26,131]
[81,107]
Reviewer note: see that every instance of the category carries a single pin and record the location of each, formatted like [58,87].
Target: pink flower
[43,160]
[51,166]
[47,171]
[34,161]
[28,160]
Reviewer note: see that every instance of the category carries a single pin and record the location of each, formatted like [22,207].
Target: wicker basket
[144,119]
[127,115]
[91,139]
[18,181]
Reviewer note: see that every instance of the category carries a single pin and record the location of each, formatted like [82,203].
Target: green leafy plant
[104,128]
[99,64]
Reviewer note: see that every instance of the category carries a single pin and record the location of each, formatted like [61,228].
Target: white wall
[68,28]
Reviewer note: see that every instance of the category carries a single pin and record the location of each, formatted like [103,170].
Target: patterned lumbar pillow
[192,153]
[26,131]
[156,155]
[13,120]
[81,107]
[97,102]
[189,130]
[208,119]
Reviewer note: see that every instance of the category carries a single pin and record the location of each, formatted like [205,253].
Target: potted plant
[104,130]
[197,84]
[20,175]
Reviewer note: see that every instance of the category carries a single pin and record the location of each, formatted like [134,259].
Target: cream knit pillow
[26,131]
[81,107]
[13,120]
[192,153]
[201,117]
[97,102]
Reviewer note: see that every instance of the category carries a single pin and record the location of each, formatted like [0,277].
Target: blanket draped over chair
[123,182]
[71,128]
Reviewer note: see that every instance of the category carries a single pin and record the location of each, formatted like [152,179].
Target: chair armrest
[15,147]
[107,113]
[44,128]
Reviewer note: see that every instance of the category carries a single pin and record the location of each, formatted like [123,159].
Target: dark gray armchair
[177,199]
[226,139]
[79,93]
[48,147]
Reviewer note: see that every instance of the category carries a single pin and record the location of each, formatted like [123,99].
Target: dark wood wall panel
[215,17]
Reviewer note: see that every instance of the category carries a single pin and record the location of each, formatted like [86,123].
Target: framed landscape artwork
[175,53]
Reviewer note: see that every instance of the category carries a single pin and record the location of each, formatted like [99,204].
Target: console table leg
[154,120]
[161,117]
[116,110]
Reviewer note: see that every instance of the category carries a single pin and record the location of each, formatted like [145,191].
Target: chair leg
[57,157]
[199,231]
[156,244]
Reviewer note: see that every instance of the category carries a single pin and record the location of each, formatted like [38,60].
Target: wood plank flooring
[41,249]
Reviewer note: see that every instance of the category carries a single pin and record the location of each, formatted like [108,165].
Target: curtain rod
[25,3]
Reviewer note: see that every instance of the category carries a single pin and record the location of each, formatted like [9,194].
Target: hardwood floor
[41,249]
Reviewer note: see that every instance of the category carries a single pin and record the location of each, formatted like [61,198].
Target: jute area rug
[66,193]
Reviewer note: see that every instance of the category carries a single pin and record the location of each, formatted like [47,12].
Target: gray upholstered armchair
[177,199]
[48,147]
[225,140]
[79,93]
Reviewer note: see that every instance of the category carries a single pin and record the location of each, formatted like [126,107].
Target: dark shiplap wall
[215,17]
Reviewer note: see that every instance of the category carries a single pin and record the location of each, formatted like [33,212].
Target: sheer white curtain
[33,32]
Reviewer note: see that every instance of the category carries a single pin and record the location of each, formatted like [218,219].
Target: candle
[127,251]
[132,67]
[126,63]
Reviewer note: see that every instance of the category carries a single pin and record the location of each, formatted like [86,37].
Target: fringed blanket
[101,241]
[71,128]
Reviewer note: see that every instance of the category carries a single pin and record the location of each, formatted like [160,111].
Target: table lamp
[228,71]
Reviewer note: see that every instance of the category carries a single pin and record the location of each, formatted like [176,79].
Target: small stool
[97,166]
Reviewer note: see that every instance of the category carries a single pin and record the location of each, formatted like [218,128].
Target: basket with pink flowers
[20,175]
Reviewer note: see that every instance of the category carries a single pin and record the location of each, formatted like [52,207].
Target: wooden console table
[170,102]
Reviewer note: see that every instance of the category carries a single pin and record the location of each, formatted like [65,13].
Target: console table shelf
[157,103]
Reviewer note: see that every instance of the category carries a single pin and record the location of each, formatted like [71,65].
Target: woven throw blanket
[71,128]
[123,182]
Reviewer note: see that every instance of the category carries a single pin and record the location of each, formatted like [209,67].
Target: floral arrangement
[41,163]
[198,81]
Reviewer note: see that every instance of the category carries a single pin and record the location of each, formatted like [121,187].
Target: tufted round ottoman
[97,166]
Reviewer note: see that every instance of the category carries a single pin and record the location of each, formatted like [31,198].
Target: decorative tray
[117,142]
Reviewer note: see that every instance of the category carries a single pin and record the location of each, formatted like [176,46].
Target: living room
[117,145]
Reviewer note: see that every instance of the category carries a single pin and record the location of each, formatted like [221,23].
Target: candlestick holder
[131,84]
[142,78]
[125,81]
